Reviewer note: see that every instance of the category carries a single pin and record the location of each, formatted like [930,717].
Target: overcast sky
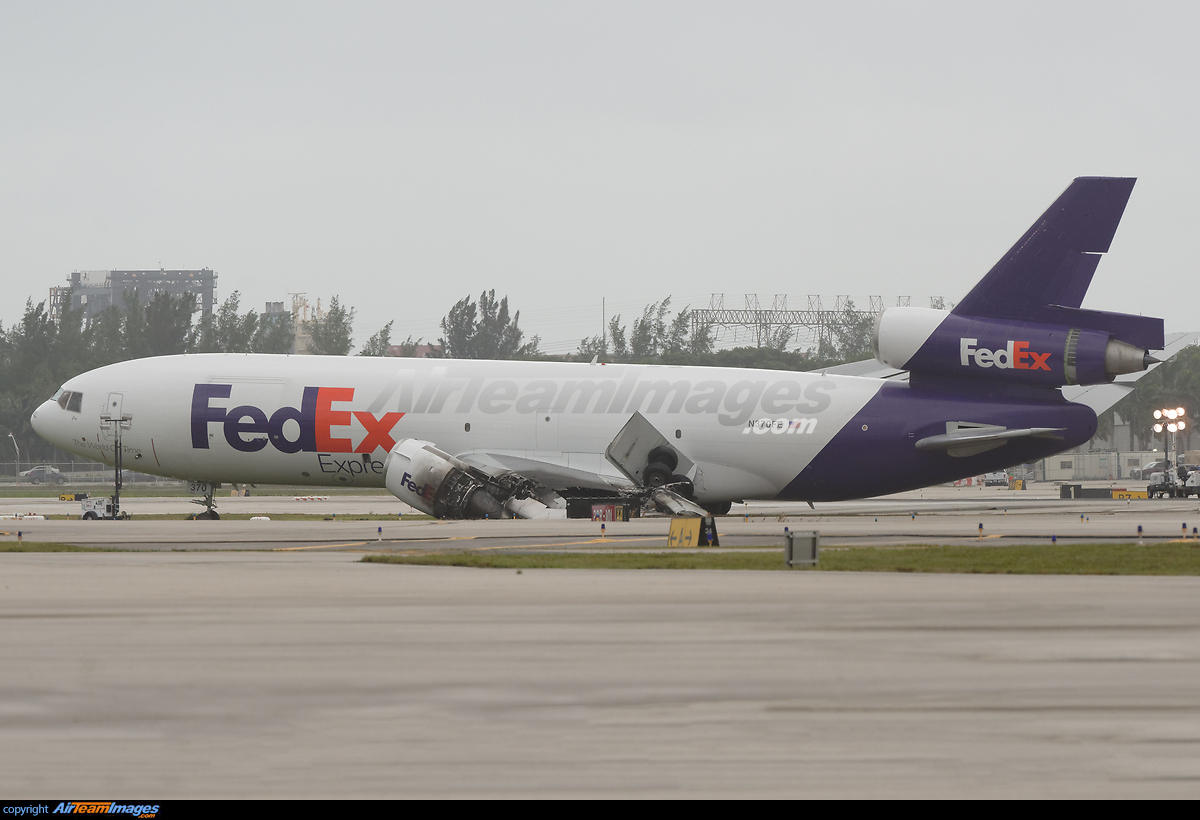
[404,155]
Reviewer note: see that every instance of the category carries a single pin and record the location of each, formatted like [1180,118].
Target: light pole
[1170,419]
[17,472]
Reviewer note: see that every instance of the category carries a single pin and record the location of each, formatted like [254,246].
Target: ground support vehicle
[100,508]
[1163,484]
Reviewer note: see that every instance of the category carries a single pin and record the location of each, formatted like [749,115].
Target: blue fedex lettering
[203,414]
[423,490]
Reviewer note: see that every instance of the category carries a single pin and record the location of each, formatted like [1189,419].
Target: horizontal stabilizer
[963,439]
[1053,263]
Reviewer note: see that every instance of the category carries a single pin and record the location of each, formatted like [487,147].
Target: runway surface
[261,659]
[932,516]
[306,674]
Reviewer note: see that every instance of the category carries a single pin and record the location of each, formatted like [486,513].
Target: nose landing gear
[210,507]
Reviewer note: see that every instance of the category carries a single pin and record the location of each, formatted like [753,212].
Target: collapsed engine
[928,341]
[438,484]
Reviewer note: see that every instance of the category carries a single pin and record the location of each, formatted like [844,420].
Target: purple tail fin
[1044,277]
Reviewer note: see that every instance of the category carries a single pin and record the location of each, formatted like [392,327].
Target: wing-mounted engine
[443,486]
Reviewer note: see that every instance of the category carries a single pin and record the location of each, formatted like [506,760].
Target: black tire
[89,516]
[35,481]
[719,508]
[665,456]
[656,475]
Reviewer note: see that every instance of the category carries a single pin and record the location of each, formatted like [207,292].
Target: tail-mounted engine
[939,343]
[443,486]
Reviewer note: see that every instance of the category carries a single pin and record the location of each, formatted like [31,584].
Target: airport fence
[77,472]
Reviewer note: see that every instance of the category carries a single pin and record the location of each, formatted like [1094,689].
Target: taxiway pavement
[932,516]
[311,675]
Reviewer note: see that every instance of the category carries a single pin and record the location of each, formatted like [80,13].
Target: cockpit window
[70,401]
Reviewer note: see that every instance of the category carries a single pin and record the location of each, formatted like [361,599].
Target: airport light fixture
[18,449]
[1170,420]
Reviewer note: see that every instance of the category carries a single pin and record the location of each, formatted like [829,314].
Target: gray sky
[404,155]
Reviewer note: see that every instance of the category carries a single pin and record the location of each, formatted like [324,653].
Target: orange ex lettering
[327,417]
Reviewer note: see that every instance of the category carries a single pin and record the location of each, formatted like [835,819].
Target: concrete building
[94,291]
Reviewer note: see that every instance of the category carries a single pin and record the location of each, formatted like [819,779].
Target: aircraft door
[112,410]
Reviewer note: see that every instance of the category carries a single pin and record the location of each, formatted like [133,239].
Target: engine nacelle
[438,484]
[935,342]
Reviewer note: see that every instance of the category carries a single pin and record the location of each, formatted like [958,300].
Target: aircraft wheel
[656,475]
[665,456]
[719,508]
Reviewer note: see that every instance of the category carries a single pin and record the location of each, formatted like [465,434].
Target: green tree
[33,368]
[275,333]
[616,335]
[593,346]
[485,330]
[409,346]
[167,329]
[379,344]
[653,338]
[105,337]
[647,338]
[332,334]
[226,330]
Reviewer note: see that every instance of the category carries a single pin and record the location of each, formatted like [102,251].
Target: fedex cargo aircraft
[1010,375]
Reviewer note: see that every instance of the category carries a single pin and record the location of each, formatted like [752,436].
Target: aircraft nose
[40,420]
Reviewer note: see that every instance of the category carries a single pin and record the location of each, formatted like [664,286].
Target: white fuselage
[330,421]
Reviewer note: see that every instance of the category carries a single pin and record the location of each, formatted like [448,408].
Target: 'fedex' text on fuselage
[1016,355]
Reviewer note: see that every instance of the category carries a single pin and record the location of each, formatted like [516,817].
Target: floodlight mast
[1170,421]
[18,449]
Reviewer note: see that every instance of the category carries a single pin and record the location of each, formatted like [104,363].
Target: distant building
[301,313]
[94,291]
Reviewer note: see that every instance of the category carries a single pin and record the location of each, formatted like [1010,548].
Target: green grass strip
[46,546]
[1058,559]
